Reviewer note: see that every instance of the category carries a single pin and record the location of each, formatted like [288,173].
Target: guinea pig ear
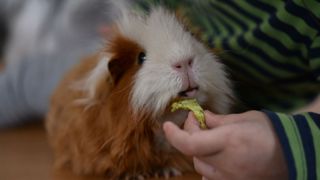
[124,57]
[116,69]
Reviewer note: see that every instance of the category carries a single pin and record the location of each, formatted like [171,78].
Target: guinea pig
[106,115]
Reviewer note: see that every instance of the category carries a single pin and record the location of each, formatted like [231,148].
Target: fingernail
[209,112]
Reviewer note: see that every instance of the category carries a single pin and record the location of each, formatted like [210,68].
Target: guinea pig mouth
[190,92]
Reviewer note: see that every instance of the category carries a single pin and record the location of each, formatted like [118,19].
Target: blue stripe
[268,59]
[308,146]
[246,60]
[277,45]
[224,23]
[303,14]
[314,53]
[316,118]
[245,13]
[276,23]
[236,57]
[290,31]
[316,72]
[284,142]
[265,7]
[302,78]
[213,25]
[259,34]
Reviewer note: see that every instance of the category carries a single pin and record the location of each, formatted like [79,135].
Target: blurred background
[39,41]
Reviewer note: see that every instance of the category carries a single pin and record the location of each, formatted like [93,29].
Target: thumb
[191,124]
[201,143]
[214,120]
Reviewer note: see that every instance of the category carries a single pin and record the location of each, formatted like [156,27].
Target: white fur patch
[90,82]
[166,42]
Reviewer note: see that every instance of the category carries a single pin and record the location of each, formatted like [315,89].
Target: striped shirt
[272,51]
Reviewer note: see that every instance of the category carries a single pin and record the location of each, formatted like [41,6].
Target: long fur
[120,133]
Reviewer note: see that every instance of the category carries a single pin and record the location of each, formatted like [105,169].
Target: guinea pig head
[153,60]
[109,120]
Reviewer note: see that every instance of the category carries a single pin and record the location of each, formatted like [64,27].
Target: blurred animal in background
[106,115]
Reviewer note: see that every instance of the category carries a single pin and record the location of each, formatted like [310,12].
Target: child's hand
[236,146]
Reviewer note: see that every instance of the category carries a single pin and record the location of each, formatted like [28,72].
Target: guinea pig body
[106,115]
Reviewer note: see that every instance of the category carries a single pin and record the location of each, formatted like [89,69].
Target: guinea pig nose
[183,65]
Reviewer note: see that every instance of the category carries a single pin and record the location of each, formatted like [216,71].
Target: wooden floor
[25,155]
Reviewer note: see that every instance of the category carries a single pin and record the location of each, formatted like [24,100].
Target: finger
[199,143]
[204,178]
[213,120]
[216,120]
[208,171]
[191,124]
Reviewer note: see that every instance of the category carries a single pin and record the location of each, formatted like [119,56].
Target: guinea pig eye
[141,58]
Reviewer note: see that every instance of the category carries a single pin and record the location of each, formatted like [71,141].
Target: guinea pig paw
[167,173]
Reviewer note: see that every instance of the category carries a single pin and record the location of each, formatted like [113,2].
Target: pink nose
[183,65]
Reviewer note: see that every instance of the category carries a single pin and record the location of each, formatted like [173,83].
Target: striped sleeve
[299,136]
[314,57]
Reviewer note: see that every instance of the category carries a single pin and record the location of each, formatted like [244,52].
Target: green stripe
[300,26]
[202,15]
[245,20]
[237,16]
[315,131]
[221,28]
[220,23]
[315,63]
[234,60]
[274,4]
[258,60]
[285,40]
[266,29]
[253,10]
[210,28]
[290,19]
[296,145]
[230,22]
[273,53]
[311,5]
[279,35]
[316,41]
[264,45]
[298,23]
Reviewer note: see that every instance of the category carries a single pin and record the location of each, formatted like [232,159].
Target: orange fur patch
[107,138]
